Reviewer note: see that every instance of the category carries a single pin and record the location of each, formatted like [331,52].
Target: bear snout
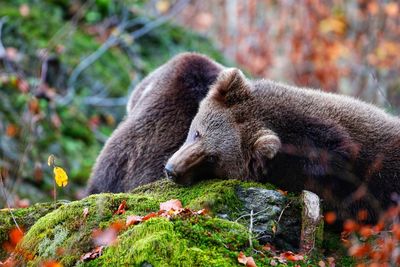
[183,164]
[169,171]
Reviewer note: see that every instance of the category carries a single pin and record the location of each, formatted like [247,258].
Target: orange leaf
[288,255]
[242,258]
[248,261]
[330,217]
[95,253]
[15,236]
[174,204]
[148,216]
[51,263]
[121,208]
[133,219]
[359,250]
[366,231]
[350,226]
[12,130]
[202,212]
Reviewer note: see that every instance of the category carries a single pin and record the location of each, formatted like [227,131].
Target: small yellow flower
[60,176]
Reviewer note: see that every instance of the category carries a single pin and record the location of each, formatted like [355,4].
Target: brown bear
[345,150]
[160,111]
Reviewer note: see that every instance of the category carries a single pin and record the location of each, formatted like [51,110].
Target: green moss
[24,217]
[66,227]
[66,234]
[216,196]
[196,241]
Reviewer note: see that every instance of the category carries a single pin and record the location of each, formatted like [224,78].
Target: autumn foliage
[375,245]
[345,46]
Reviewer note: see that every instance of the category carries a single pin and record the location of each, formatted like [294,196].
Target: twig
[2,49]
[105,102]
[251,229]
[248,214]
[158,22]
[111,41]
[7,202]
[380,90]
[280,215]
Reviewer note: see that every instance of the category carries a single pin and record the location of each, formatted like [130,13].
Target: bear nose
[169,171]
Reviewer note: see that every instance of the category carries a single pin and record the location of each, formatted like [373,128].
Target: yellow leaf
[50,160]
[162,6]
[335,25]
[60,176]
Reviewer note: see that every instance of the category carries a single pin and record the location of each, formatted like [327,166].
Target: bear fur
[345,150]
[159,113]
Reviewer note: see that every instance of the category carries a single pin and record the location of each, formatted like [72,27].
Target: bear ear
[267,144]
[230,87]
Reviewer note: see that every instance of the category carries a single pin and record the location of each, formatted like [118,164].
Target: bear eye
[212,159]
[196,135]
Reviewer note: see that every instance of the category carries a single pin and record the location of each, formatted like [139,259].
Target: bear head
[225,140]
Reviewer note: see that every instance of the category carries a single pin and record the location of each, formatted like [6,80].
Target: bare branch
[113,40]
[3,188]
[2,49]
[251,229]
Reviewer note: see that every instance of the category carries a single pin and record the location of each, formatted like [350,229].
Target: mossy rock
[25,218]
[66,234]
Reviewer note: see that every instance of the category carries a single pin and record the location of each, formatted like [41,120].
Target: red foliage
[377,245]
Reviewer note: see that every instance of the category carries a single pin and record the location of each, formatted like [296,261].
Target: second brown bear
[159,114]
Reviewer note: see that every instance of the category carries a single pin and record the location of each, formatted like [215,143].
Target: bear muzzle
[169,171]
[182,166]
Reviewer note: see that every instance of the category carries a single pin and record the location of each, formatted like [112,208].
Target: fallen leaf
[174,204]
[51,263]
[288,255]
[15,235]
[242,258]
[121,208]
[133,219]
[95,253]
[202,212]
[148,216]
[248,261]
